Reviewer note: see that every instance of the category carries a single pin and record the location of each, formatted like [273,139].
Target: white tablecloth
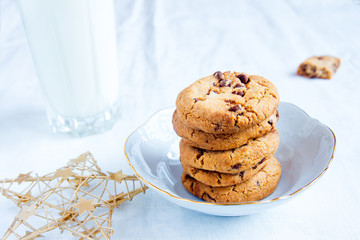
[166,45]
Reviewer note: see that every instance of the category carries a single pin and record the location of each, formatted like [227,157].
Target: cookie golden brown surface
[259,186]
[227,122]
[217,179]
[234,160]
[210,141]
[227,102]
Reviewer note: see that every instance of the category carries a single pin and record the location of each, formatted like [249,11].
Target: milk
[73,45]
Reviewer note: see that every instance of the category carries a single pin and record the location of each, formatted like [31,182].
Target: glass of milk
[73,45]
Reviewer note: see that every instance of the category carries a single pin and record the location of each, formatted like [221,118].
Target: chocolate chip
[239,85]
[320,58]
[243,78]
[240,93]
[229,84]
[241,174]
[214,84]
[240,114]
[219,75]
[229,101]
[261,161]
[277,114]
[313,69]
[257,183]
[206,195]
[303,67]
[222,83]
[271,122]
[236,166]
[196,99]
[217,127]
[200,153]
[235,108]
[187,176]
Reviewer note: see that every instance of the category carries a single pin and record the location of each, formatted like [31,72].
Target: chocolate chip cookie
[227,102]
[259,186]
[234,160]
[210,141]
[217,179]
[319,67]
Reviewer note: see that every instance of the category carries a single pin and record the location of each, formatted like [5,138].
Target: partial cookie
[217,179]
[319,67]
[259,186]
[227,102]
[231,161]
[210,141]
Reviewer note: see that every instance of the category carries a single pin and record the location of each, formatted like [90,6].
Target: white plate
[306,149]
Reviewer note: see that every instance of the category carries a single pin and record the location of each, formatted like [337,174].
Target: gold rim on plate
[224,203]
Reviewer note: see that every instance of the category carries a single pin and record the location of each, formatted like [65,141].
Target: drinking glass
[73,46]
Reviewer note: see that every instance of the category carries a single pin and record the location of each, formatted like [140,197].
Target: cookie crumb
[319,67]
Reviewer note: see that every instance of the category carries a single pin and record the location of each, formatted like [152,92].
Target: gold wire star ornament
[84,205]
[79,159]
[64,173]
[26,212]
[118,176]
[22,177]
[79,182]
[78,198]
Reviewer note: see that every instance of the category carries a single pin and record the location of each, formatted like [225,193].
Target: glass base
[81,127]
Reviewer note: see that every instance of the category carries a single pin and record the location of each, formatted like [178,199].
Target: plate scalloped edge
[224,204]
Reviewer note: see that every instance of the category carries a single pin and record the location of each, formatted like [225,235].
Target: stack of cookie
[227,124]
